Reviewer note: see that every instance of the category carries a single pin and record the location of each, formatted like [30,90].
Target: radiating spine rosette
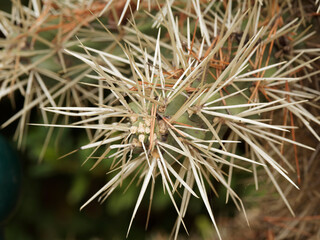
[188,92]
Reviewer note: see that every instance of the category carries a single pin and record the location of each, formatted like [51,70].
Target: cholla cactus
[185,94]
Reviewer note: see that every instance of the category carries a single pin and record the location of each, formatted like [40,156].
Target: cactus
[186,95]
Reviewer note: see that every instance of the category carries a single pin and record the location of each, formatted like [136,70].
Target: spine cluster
[179,88]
